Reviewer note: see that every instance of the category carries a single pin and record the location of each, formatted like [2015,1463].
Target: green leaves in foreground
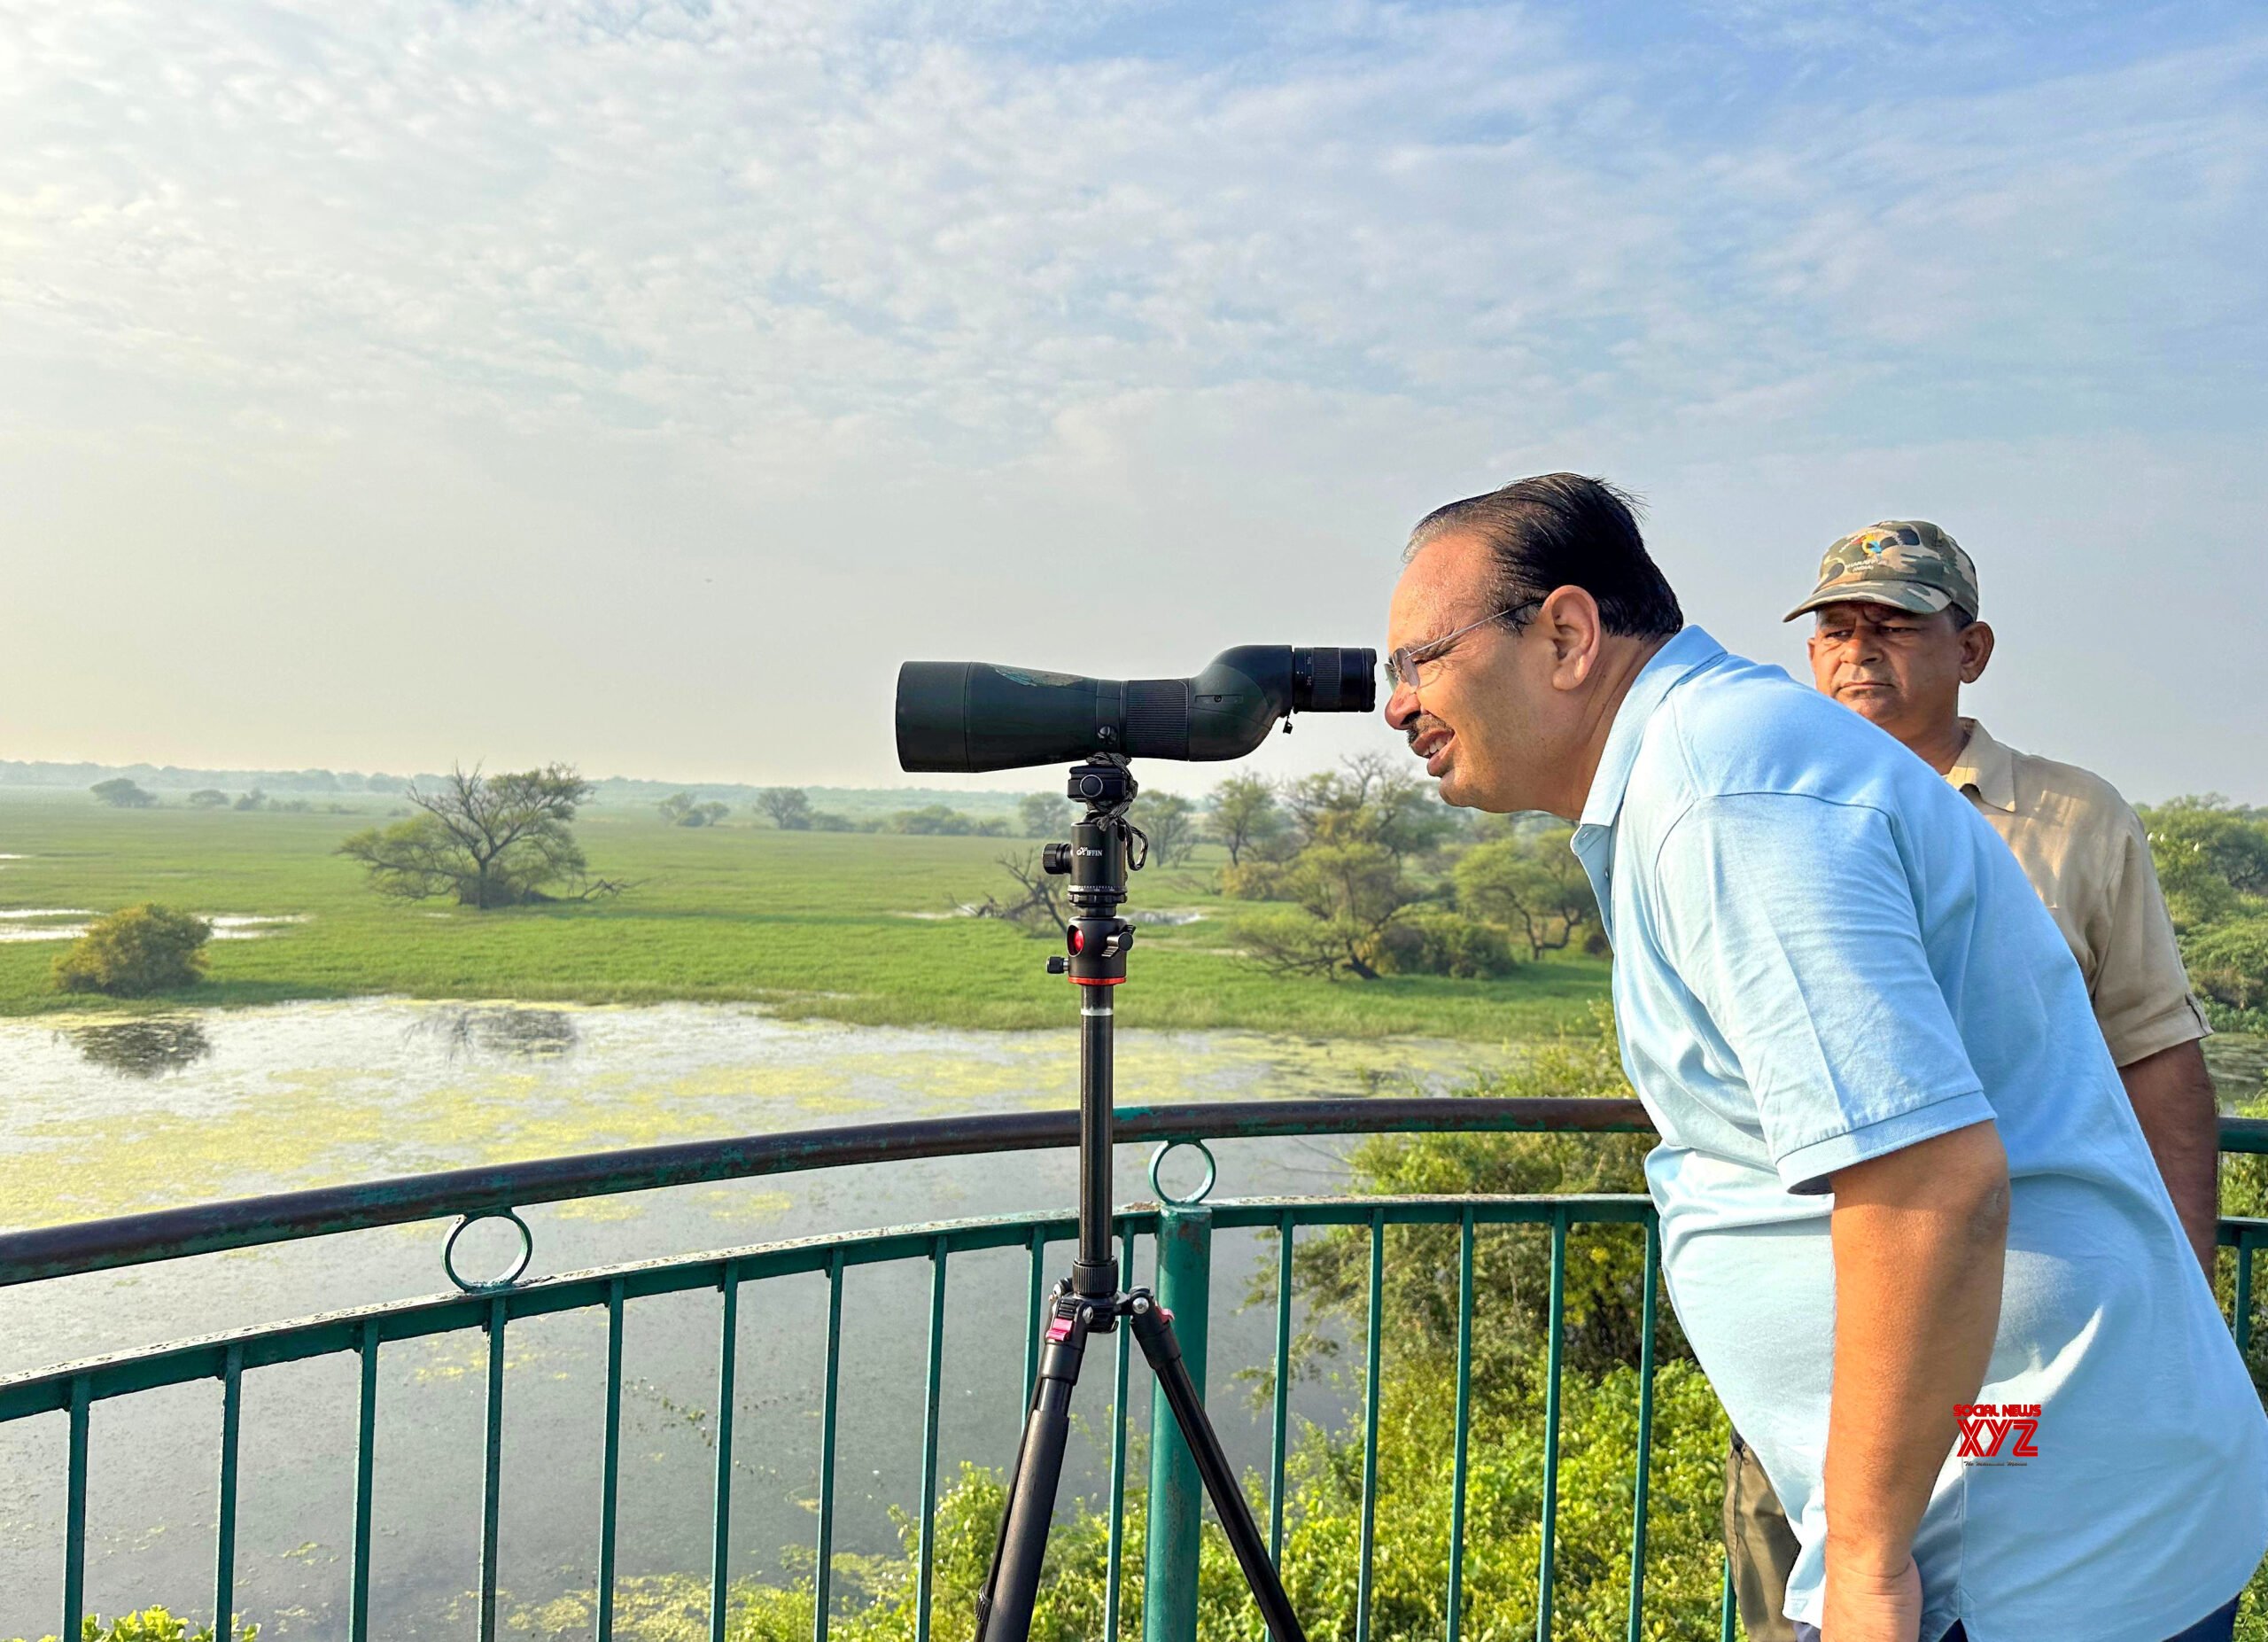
[877,1598]
[151,1624]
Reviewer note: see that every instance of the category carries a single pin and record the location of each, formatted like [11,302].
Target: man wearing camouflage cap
[1896,636]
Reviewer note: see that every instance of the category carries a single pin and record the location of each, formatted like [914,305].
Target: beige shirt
[2084,850]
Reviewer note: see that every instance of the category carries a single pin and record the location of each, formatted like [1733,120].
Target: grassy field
[810,923]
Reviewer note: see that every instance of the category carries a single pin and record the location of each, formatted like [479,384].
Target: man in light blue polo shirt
[1909,1222]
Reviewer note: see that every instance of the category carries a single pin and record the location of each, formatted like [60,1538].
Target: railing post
[1177,1497]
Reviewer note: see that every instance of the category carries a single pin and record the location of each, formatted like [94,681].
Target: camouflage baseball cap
[1908,564]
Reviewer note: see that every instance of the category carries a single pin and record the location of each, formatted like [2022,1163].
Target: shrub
[1252,880]
[151,1624]
[1433,942]
[135,952]
[932,821]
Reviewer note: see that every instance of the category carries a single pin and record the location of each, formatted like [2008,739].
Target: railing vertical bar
[1728,1611]
[720,1520]
[610,1476]
[925,1590]
[2242,1320]
[1645,1434]
[822,1575]
[1551,1422]
[492,1479]
[1463,1423]
[1280,1414]
[224,1535]
[1116,1560]
[1037,1293]
[74,1513]
[358,1608]
[1371,1378]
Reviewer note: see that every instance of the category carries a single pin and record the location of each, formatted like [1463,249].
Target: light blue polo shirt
[1822,954]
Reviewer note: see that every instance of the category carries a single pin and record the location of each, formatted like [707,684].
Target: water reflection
[2239,1063]
[523,1034]
[144,1048]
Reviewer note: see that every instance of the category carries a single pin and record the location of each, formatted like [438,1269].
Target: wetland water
[106,1116]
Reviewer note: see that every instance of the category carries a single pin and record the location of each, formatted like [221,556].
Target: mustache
[1419,725]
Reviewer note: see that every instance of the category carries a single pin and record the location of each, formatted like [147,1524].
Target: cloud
[698,284]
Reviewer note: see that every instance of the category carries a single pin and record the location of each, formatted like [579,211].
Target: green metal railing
[1181,1233]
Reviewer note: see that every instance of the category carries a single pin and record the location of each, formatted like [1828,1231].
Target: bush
[1323,1529]
[151,1624]
[130,953]
[1254,879]
[936,821]
[1429,942]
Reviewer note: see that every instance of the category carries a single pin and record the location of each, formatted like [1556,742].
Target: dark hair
[1561,529]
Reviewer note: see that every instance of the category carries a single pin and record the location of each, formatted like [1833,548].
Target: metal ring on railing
[504,1280]
[1204,1187]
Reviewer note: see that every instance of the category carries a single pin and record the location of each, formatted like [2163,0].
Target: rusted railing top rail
[284,1216]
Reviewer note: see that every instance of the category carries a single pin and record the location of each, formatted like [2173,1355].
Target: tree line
[122,792]
[1360,871]
[2212,862]
[1363,871]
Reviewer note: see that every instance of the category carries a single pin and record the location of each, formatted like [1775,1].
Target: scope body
[965,716]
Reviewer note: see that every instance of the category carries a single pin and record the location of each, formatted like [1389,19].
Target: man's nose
[1401,706]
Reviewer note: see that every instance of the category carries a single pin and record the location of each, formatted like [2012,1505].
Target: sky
[637,384]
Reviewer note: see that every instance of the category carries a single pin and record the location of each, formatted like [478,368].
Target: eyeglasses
[1400,666]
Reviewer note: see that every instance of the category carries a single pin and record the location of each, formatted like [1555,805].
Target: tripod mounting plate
[1102,784]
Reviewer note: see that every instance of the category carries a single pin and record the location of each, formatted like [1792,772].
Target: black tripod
[1090,1302]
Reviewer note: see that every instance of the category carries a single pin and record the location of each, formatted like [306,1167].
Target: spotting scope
[975,715]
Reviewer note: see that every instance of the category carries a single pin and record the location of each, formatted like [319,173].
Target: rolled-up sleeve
[1793,922]
[2138,987]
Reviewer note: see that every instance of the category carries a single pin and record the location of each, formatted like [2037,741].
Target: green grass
[809,922]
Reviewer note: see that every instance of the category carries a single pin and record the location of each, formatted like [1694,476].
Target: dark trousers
[2217,1626]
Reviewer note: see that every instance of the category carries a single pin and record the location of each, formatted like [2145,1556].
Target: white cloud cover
[637,383]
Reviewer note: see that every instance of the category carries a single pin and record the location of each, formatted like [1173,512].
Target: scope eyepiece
[965,716]
[1329,680]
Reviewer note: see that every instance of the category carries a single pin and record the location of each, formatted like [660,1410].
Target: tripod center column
[1099,941]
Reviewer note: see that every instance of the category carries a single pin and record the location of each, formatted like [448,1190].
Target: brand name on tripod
[1082,849]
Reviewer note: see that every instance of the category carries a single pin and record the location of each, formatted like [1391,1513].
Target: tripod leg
[1153,1329]
[1004,1612]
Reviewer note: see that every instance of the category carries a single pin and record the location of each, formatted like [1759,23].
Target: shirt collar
[1987,766]
[1687,653]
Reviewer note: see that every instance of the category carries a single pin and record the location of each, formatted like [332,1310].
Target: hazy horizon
[637,384]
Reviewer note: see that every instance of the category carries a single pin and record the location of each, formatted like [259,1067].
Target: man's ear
[1569,622]
[1976,652]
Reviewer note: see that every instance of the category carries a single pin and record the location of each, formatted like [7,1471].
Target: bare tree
[1037,906]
